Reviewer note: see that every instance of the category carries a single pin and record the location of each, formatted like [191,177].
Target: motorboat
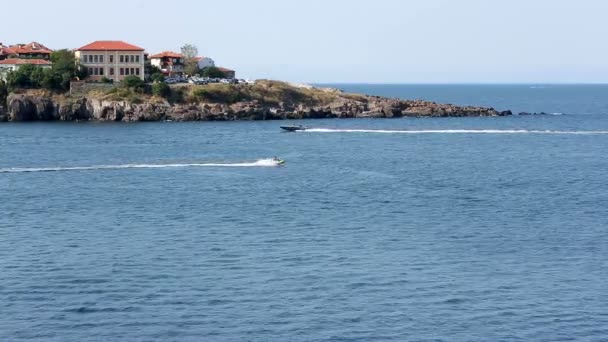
[293,128]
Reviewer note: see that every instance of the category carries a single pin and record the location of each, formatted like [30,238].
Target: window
[132,59]
[100,58]
[122,71]
[95,58]
[111,58]
[137,59]
[90,71]
[137,71]
[111,70]
[122,59]
[90,58]
[101,71]
[126,71]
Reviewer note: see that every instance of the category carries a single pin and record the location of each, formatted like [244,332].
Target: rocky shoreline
[48,107]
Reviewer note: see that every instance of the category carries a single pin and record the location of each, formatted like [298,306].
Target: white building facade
[111,59]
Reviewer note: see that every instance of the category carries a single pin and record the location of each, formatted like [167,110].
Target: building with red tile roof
[31,50]
[228,73]
[109,45]
[12,64]
[169,54]
[24,61]
[5,51]
[113,59]
[169,62]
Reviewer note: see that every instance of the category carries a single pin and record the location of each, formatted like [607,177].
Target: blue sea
[412,229]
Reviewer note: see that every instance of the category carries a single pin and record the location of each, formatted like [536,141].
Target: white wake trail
[258,163]
[452,131]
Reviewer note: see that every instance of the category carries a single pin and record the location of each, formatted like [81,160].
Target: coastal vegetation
[189,52]
[55,78]
[265,92]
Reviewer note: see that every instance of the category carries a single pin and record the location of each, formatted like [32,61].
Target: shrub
[133,82]
[161,89]
[157,77]
[106,80]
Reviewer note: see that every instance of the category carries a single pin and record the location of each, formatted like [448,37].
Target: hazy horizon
[357,41]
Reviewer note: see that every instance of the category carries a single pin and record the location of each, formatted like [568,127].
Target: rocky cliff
[34,107]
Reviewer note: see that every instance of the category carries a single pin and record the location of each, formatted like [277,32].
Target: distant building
[228,73]
[12,64]
[113,59]
[170,63]
[31,50]
[204,62]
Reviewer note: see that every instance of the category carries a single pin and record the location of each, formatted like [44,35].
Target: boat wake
[258,163]
[452,131]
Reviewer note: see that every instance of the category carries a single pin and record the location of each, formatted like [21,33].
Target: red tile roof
[224,69]
[22,61]
[111,45]
[169,54]
[6,51]
[31,48]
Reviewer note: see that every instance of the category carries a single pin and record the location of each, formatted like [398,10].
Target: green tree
[157,77]
[64,64]
[155,70]
[36,77]
[161,89]
[212,72]
[189,53]
[64,61]
[51,80]
[22,77]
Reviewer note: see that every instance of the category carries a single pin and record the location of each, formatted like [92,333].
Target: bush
[106,80]
[157,77]
[133,82]
[161,89]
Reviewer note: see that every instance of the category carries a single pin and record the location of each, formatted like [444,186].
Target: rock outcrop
[28,107]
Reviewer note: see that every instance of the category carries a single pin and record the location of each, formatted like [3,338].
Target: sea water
[432,229]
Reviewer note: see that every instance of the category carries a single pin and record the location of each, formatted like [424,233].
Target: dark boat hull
[293,128]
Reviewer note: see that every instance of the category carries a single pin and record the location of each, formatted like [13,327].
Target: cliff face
[28,107]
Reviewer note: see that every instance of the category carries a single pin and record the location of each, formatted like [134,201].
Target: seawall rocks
[27,107]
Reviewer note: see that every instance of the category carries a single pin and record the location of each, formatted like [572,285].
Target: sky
[343,41]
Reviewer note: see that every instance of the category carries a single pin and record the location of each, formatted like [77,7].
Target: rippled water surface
[463,229]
